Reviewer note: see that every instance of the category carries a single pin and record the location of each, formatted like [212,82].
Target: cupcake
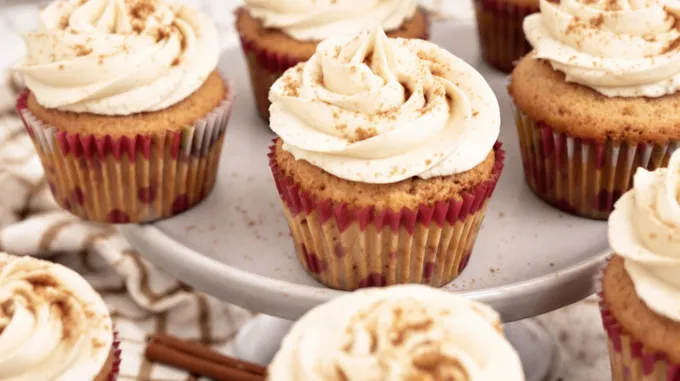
[277,35]
[499,23]
[640,296]
[53,325]
[597,99]
[399,333]
[125,107]
[386,160]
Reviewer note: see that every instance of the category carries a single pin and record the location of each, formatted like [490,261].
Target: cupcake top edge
[619,48]
[406,332]
[316,20]
[378,110]
[644,229]
[112,57]
[53,324]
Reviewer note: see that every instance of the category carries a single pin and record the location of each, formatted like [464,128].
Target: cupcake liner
[345,247]
[630,359]
[133,179]
[578,176]
[501,35]
[265,67]
[115,370]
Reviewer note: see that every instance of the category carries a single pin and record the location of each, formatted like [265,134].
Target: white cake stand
[529,258]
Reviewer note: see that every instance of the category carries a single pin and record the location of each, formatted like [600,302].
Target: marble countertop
[577,328]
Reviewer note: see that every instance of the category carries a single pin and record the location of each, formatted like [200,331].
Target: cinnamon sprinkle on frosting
[37,296]
[616,47]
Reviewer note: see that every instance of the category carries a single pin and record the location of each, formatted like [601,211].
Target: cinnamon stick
[206,353]
[200,360]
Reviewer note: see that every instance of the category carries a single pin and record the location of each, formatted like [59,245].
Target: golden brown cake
[271,50]
[128,130]
[657,333]
[543,94]
[378,185]
[499,23]
[174,118]
[409,193]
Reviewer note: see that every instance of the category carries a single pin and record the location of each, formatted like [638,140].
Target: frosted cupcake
[501,36]
[640,296]
[597,99]
[399,333]
[53,325]
[125,107]
[277,35]
[386,162]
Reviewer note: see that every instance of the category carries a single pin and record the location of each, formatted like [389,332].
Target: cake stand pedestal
[529,258]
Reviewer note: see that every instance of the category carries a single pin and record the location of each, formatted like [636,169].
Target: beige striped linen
[141,298]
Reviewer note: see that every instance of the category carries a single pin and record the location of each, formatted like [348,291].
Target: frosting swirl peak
[118,57]
[623,48]
[645,230]
[379,110]
[317,20]
[53,325]
[399,333]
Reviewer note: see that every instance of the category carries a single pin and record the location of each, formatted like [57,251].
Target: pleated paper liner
[578,176]
[130,179]
[630,359]
[115,370]
[347,248]
[265,67]
[501,35]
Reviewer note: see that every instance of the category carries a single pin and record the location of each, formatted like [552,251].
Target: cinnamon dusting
[82,50]
[142,9]
[290,87]
[673,45]
[597,22]
[365,133]
[398,323]
[64,22]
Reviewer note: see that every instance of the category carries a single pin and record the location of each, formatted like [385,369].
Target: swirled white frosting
[321,19]
[645,230]
[394,334]
[53,325]
[623,48]
[118,57]
[379,110]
